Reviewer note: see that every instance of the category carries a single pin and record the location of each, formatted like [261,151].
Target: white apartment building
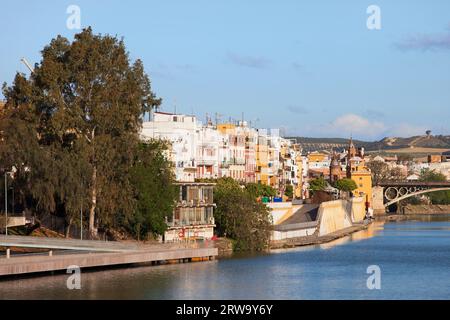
[181,131]
[208,143]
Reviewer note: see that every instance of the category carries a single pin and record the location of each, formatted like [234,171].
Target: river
[413,257]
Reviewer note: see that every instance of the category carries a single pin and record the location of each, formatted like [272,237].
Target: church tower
[335,168]
[351,154]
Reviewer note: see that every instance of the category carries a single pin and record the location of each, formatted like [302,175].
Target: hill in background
[416,144]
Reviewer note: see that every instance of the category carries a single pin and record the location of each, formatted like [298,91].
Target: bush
[346,185]
[240,217]
[289,192]
[437,197]
[260,190]
[318,184]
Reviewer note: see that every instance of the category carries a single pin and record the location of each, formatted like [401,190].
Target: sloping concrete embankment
[340,214]
[313,225]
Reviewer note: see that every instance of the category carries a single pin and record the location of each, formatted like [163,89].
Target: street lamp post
[81,215]
[81,223]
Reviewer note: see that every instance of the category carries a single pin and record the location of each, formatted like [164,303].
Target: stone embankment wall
[340,214]
[332,216]
[426,209]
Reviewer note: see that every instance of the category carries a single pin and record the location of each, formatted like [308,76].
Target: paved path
[314,239]
[87,245]
[88,253]
[19,265]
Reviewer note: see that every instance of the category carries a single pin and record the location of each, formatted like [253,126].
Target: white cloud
[352,124]
[406,130]
[359,127]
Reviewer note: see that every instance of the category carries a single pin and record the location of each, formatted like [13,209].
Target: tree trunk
[92,230]
[68,225]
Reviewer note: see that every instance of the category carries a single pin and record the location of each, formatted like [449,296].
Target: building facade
[193,215]
[358,172]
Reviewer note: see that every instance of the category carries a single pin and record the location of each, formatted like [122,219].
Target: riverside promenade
[63,253]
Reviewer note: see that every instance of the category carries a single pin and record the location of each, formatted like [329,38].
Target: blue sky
[311,68]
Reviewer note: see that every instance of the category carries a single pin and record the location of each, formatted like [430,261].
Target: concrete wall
[377,200]
[340,214]
[181,234]
[332,216]
[283,235]
[357,208]
[282,211]
[12,221]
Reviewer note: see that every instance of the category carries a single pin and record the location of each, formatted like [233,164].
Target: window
[177,213]
[185,216]
[184,193]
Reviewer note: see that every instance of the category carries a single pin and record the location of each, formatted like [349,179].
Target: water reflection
[413,257]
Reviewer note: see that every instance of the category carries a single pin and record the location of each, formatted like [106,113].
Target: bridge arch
[407,195]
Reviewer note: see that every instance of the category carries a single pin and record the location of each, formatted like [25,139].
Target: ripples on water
[414,257]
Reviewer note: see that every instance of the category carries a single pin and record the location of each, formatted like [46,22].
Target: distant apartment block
[235,150]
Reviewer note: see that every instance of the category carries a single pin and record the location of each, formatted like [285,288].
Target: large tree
[379,170]
[81,111]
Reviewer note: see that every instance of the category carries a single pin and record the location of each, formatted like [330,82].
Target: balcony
[206,162]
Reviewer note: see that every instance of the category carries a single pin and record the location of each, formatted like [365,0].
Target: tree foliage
[240,216]
[71,128]
[260,190]
[289,191]
[346,185]
[437,197]
[152,177]
[382,172]
[318,184]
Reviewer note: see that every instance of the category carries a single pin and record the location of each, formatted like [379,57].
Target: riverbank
[316,239]
[394,217]
[426,209]
[315,224]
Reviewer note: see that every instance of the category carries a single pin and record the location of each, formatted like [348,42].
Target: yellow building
[358,172]
[262,160]
[237,152]
[298,191]
[317,157]
[226,128]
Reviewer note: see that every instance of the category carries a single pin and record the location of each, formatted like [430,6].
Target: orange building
[358,172]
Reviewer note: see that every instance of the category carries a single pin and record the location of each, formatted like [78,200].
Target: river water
[413,257]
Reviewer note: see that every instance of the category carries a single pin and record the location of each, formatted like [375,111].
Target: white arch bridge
[394,192]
